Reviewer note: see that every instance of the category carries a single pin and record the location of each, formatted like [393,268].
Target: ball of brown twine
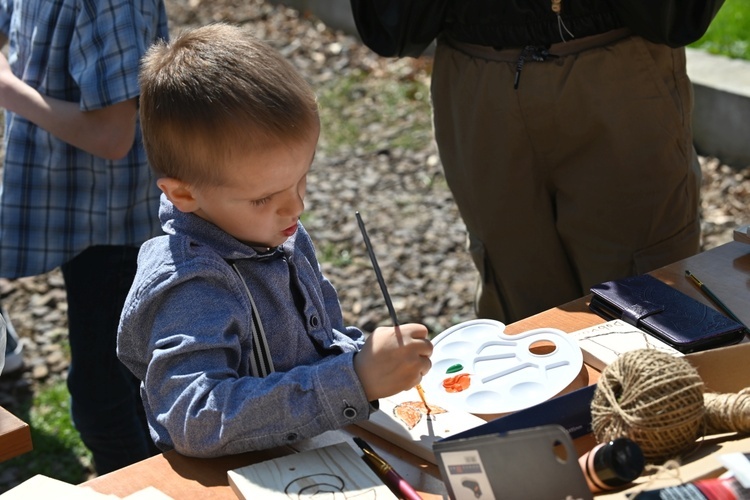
[653,398]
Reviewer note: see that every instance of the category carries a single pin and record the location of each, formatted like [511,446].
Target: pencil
[384,290]
[716,300]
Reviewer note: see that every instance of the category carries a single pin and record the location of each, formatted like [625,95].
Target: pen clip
[373,457]
[694,278]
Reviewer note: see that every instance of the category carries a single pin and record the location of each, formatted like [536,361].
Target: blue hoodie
[185,332]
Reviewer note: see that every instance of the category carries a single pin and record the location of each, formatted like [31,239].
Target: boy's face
[263,194]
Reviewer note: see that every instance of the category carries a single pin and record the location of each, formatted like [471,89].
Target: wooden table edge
[15,436]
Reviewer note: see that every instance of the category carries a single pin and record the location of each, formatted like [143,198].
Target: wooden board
[15,436]
[416,432]
[41,486]
[334,471]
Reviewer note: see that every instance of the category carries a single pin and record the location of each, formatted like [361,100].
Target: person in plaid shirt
[77,191]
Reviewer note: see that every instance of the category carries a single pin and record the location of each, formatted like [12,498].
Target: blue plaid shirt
[57,200]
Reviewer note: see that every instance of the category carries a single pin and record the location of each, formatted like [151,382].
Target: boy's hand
[393,360]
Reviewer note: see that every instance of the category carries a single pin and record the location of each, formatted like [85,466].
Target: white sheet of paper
[428,428]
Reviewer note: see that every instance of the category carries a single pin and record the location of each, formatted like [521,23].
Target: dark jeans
[105,401]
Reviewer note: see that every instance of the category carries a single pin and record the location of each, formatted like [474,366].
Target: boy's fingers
[416,330]
[427,363]
[427,348]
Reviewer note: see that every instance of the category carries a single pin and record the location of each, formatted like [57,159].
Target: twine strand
[727,412]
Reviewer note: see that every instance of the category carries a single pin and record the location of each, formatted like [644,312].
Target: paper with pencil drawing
[604,343]
[334,471]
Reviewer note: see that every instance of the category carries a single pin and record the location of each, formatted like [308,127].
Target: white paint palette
[507,372]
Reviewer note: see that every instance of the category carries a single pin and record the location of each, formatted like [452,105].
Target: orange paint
[457,383]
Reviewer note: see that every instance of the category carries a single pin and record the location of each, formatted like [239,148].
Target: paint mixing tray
[506,372]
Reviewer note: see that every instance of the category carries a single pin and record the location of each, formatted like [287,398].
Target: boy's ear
[179,193]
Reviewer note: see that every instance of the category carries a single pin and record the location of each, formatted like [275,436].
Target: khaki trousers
[584,173]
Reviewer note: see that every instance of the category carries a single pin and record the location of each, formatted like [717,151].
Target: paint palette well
[507,372]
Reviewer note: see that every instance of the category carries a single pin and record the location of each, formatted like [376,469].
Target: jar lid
[619,462]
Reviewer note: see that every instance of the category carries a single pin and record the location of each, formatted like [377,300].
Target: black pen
[392,478]
[716,300]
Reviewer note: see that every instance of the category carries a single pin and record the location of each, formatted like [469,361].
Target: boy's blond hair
[214,92]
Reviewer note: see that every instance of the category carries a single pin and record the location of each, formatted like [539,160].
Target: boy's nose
[294,205]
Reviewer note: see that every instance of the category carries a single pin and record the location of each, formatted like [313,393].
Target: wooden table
[725,270]
[15,436]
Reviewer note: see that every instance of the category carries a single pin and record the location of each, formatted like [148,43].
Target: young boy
[236,335]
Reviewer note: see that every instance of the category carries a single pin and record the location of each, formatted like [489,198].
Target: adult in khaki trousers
[578,169]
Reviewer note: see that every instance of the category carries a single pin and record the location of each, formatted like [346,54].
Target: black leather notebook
[666,313]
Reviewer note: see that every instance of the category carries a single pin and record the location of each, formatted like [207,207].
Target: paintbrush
[386,295]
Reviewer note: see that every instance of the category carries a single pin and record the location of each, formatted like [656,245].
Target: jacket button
[292,436]
[350,412]
[314,321]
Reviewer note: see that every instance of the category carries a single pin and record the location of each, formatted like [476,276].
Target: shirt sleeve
[109,39]
[5,12]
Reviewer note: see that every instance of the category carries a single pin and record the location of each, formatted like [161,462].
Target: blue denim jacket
[185,332]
